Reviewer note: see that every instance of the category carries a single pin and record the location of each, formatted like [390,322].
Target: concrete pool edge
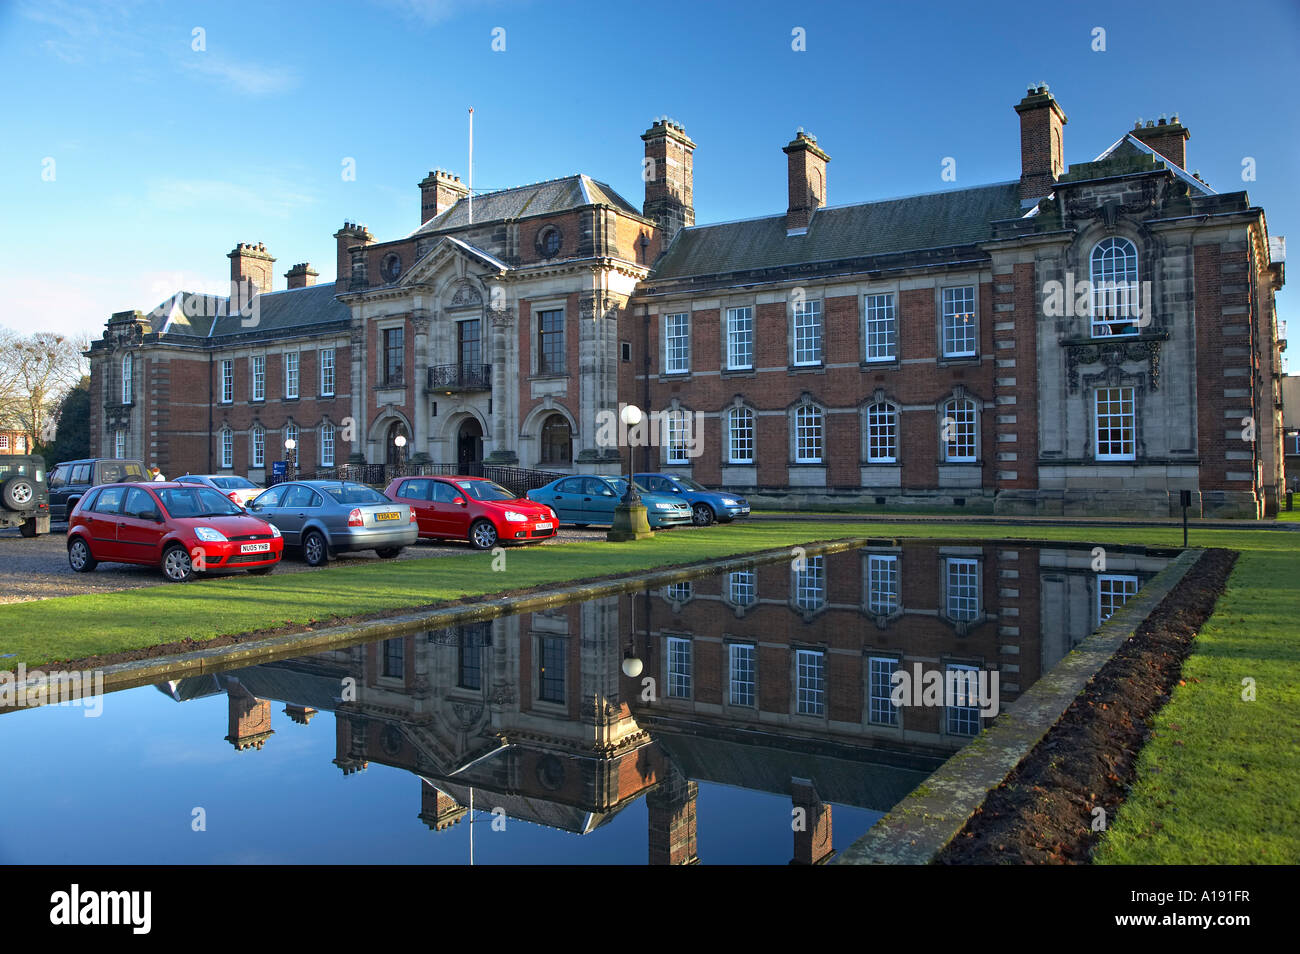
[920,826]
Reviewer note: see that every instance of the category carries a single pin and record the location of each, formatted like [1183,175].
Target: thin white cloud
[251,79]
[431,12]
[214,197]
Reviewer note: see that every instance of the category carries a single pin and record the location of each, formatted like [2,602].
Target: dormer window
[1113,275]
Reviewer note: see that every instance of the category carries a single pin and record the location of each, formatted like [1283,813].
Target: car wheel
[388,553]
[262,570]
[79,556]
[17,493]
[28,528]
[315,552]
[701,515]
[177,565]
[482,535]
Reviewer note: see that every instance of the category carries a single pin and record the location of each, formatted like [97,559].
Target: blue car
[584,500]
[706,505]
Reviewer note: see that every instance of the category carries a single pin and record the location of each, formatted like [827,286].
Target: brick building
[1080,337]
[13,442]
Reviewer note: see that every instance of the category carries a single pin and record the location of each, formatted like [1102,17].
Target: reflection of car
[24,497]
[706,505]
[473,509]
[239,489]
[184,530]
[332,516]
[584,500]
[70,480]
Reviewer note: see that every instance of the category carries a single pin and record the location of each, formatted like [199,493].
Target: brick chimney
[1167,137]
[349,237]
[439,191]
[251,263]
[669,173]
[806,175]
[1042,154]
[438,810]
[301,275]
[249,718]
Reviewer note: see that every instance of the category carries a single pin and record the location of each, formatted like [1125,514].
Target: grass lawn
[1219,783]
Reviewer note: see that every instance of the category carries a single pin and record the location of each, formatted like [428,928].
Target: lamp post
[632,664]
[400,442]
[291,465]
[630,520]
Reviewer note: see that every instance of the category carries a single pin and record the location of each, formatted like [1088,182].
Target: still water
[762,727]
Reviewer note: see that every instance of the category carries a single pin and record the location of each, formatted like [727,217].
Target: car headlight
[275,531]
[665,506]
[728,502]
[209,535]
[514,517]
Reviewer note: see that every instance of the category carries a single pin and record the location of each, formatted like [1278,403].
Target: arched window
[740,435]
[882,433]
[1113,275]
[809,434]
[257,439]
[126,379]
[557,441]
[959,431]
[291,434]
[227,448]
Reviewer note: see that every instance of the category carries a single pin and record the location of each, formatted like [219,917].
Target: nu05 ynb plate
[255,548]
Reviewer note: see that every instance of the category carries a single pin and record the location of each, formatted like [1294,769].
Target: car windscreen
[484,490]
[353,494]
[233,483]
[620,485]
[690,484]
[120,472]
[197,502]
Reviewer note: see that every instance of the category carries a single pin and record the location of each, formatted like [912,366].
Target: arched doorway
[396,451]
[469,444]
[557,442]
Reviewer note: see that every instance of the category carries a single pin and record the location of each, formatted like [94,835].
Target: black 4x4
[24,497]
[71,479]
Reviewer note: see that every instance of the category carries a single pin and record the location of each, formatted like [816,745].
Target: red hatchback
[182,528]
[473,509]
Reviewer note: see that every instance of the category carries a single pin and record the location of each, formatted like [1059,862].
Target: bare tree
[36,371]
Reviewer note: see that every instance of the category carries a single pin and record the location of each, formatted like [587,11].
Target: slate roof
[934,220]
[288,310]
[540,198]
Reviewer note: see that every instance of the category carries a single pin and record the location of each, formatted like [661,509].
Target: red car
[473,509]
[182,528]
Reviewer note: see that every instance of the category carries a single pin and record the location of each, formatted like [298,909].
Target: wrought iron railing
[460,377]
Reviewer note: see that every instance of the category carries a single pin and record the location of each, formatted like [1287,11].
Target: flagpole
[471,165]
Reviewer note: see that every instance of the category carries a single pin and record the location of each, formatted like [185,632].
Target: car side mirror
[459,501]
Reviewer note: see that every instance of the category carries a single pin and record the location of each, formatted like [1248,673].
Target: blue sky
[164,157]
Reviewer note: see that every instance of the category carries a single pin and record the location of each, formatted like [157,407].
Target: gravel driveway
[33,569]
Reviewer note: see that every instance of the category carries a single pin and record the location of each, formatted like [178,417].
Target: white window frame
[327,372]
[808,333]
[880,327]
[677,343]
[227,381]
[676,426]
[291,374]
[740,331]
[1109,587]
[882,433]
[809,434]
[882,584]
[809,584]
[742,588]
[227,448]
[742,675]
[960,720]
[4,442]
[679,663]
[327,445]
[681,592]
[291,434]
[258,376]
[740,445]
[127,369]
[257,446]
[961,589]
[810,682]
[119,444]
[880,689]
[1120,414]
[1116,291]
[958,329]
[963,445]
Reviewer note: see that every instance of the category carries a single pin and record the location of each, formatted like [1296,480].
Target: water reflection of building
[771,679]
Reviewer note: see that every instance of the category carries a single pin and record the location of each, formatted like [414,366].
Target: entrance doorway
[469,446]
[396,450]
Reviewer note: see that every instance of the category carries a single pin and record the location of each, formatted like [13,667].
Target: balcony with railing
[450,378]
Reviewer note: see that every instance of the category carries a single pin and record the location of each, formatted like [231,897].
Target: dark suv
[71,479]
[24,497]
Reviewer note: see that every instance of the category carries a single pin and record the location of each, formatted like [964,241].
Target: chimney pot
[1042,154]
[805,180]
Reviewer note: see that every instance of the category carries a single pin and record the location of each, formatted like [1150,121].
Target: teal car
[584,500]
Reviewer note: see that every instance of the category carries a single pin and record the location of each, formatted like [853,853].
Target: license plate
[255,548]
[387,516]
[545,526]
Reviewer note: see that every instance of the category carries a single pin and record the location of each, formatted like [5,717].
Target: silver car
[239,489]
[323,517]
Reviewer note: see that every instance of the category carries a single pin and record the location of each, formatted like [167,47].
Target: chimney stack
[251,263]
[439,191]
[349,237]
[1167,137]
[806,176]
[301,275]
[669,174]
[1042,155]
